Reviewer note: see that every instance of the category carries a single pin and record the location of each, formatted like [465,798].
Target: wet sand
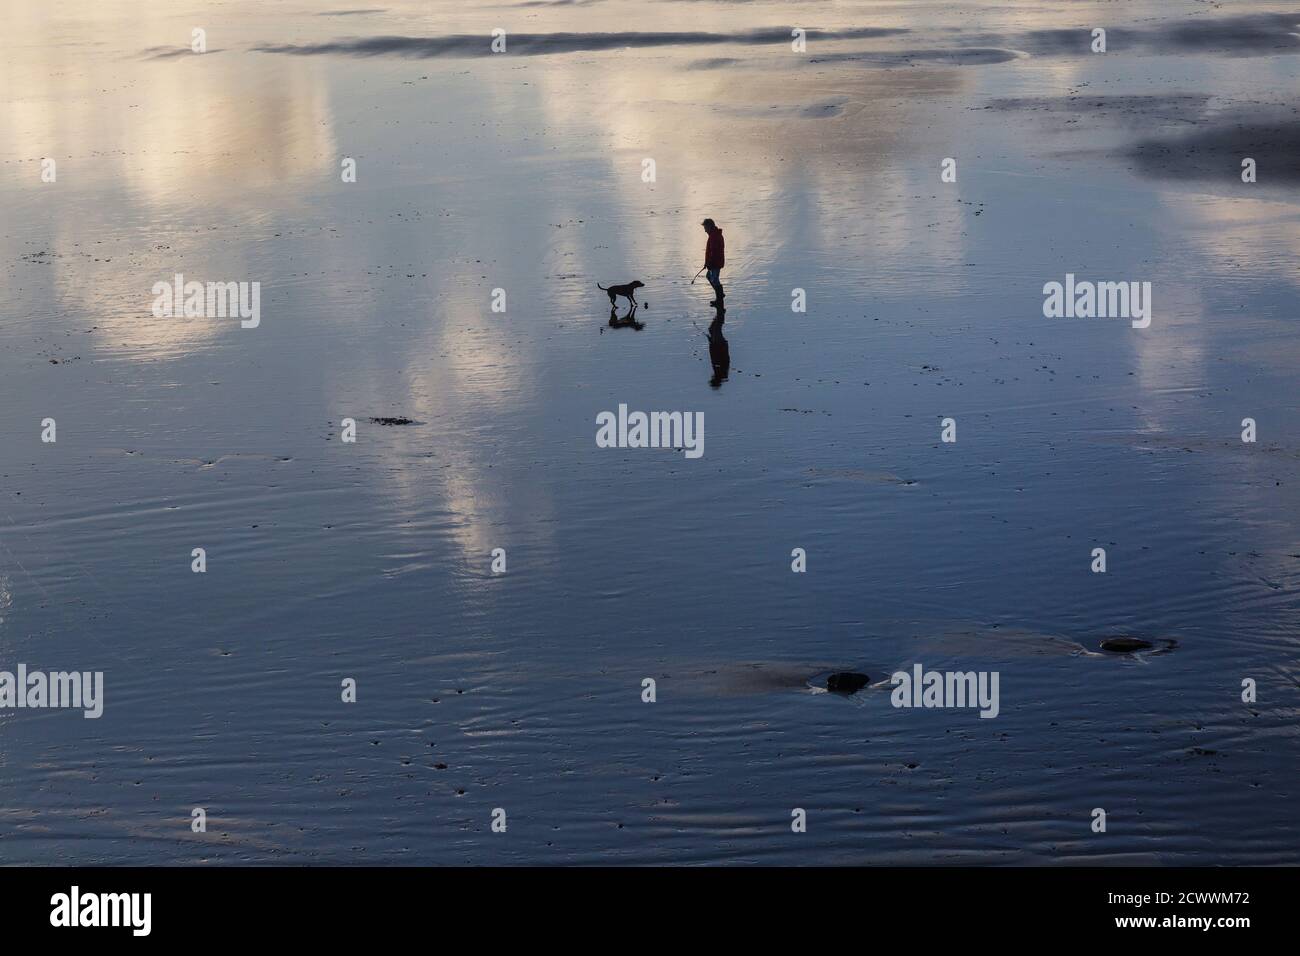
[328,560]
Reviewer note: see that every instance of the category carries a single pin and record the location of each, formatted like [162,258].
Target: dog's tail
[601,287]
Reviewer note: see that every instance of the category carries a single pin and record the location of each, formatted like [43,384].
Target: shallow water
[522,691]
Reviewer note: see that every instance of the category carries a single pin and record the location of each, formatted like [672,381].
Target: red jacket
[714,251]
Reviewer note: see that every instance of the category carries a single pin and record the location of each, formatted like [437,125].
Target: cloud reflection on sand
[524,173]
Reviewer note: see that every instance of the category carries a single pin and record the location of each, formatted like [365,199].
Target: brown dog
[628,291]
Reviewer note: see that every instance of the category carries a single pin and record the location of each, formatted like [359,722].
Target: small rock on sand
[846,682]
[1123,645]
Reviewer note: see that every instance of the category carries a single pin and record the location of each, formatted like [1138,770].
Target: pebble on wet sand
[1122,645]
[846,682]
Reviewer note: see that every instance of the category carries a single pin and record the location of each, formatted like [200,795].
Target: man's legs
[712,276]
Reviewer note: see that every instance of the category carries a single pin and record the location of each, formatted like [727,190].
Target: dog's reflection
[719,350]
[626,322]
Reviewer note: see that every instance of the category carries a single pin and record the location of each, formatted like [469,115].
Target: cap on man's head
[710,223]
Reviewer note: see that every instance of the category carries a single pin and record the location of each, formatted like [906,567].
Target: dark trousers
[712,276]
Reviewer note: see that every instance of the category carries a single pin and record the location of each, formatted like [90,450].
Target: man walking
[714,259]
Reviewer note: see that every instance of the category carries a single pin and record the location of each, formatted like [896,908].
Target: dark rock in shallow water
[846,682]
[394,421]
[1122,645]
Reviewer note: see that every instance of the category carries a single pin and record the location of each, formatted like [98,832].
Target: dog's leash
[697,275]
